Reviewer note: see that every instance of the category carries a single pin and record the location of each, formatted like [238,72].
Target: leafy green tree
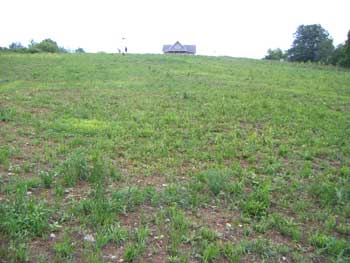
[311,43]
[341,55]
[346,59]
[338,55]
[79,50]
[47,45]
[275,54]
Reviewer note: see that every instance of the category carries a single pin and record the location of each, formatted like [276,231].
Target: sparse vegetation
[151,158]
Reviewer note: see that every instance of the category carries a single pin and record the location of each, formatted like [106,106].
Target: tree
[341,55]
[63,50]
[346,60]
[338,55]
[311,43]
[275,54]
[47,45]
[79,50]
[16,45]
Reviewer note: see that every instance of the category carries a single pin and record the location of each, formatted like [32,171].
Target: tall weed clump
[75,168]
[23,216]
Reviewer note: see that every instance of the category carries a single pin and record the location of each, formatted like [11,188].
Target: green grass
[173,159]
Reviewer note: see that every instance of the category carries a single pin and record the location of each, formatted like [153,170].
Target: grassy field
[153,158]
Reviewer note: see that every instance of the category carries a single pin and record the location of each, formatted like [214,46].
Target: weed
[131,252]
[210,251]
[330,194]
[5,153]
[96,211]
[128,198]
[331,246]
[7,114]
[117,234]
[136,248]
[24,216]
[63,249]
[115,174]
[233,252]
[75,168]
[15,251]
[208,234]
[258,202]
[47,178]
[286,227]
[218,132]
[177,230]
[216,180]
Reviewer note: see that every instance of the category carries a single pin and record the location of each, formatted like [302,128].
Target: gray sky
[221,27]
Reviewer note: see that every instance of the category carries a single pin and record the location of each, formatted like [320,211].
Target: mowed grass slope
[153,158]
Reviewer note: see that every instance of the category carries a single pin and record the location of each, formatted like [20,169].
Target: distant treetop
[312,43]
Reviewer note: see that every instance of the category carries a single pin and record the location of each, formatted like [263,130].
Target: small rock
[284,258]
[89,238]
[29,193]
[121,260]
[167,220]
[112,257]
[149,254]
[159,237]
[164,185]
[52,236]
[228,226]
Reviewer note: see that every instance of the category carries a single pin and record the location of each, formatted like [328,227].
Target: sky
[222,27]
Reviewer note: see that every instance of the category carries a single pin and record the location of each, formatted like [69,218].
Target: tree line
[45,46]
[312,43]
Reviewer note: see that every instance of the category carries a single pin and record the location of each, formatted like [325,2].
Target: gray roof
[179,48]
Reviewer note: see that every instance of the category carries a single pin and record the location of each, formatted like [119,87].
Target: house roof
[179,48]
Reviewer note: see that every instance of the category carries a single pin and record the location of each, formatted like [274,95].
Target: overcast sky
[221,27]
